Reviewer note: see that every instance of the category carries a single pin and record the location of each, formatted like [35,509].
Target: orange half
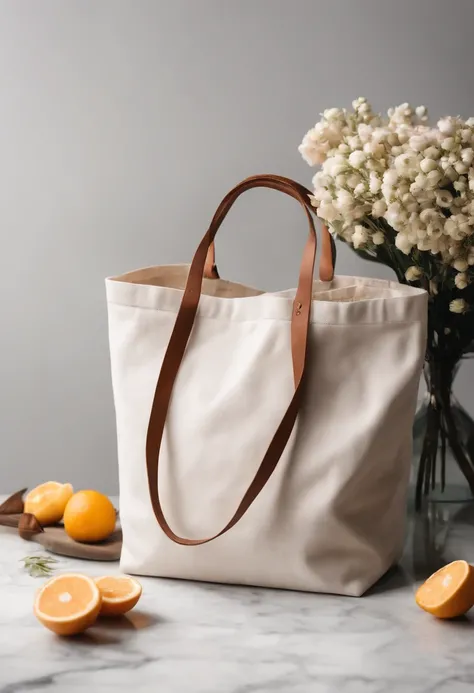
[48,501]
[68,604]
[119,594]
[449,592]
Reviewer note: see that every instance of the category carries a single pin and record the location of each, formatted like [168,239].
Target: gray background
[122,124]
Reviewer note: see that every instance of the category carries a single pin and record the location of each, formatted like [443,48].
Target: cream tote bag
[264,438]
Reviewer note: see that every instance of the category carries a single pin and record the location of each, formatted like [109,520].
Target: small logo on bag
[298,308]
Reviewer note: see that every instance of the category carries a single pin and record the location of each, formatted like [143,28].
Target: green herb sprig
[39,565]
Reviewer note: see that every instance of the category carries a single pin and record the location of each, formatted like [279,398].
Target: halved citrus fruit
[48,501]
[119,594]
[68,604]
[449,592]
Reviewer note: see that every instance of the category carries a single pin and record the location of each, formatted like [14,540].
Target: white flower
[433,178]
[390,177]
[374,183]
[460,265]
[451,173]
[379,208]
[335,165]
[413,273]
[327,211]
[428,165]
[344,200]
[432,153]
[353,180]
[364,131]
[448,143]
[460,185]
[378,238]
[418,143]
[446,126]
[461,280]
[360,236]
[354,142]
[403,244]
[418,178]
[357,158]
[331,113]
[358,102]
[461,167]
[394,214]
[443,198]
[459,305]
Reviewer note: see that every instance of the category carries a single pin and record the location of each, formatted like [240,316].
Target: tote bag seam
[258,319]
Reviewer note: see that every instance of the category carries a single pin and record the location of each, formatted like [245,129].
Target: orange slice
[68,604]
[48,501]
[449,592]
[119,594]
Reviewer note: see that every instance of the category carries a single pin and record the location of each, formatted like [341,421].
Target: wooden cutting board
[55,539]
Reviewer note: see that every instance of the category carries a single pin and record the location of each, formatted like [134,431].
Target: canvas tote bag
[264,438]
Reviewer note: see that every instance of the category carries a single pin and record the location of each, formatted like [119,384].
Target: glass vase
[443,435]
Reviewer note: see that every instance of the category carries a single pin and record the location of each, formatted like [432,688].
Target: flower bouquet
[401,193]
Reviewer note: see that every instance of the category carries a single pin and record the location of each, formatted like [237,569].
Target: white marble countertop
[188,637]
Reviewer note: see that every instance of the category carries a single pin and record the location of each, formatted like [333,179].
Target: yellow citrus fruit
[48,501]
[68,604]
[119,593]
[449,592]
[89,517]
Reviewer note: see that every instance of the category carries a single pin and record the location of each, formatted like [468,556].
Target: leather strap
[179,339]
[210,268]
[328,247]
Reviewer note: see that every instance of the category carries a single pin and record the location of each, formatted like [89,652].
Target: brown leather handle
[179,339]
[328,247]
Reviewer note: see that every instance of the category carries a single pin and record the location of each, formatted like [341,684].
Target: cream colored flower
[446,126]
[413,273]
[460,265]
[449,143]
[379,208]
[444,198]
[428,165]
[461,167]
[418,178]
[327,211]
[403,244]
[433,288]
[432,152]
[461,280]
[374,183]
[459,305]
[357,158]
[360,236]
[378,238]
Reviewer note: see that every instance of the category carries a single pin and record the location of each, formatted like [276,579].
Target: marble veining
[204,638]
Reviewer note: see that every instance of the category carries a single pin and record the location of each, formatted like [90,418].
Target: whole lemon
[89,517]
